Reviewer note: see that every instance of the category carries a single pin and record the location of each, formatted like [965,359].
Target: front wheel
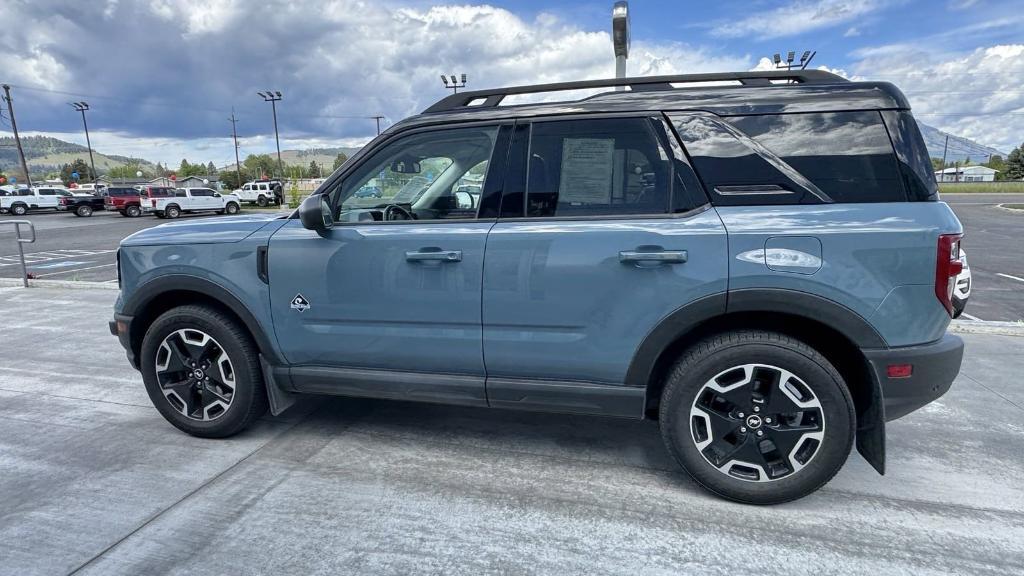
[231,208]
[757,417]
[202,372]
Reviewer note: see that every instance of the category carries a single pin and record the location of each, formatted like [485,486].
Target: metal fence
[19,240]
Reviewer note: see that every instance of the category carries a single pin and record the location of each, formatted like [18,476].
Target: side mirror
[216,194]
[315,213]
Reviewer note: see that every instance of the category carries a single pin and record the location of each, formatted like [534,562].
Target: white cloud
[851,32]
[796,18]
[977,95]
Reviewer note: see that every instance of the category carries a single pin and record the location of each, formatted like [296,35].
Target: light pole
[273,97]
[82,107]
[620,38]
[454,83]
[805,59]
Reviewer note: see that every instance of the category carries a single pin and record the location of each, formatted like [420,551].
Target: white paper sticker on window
[587,165]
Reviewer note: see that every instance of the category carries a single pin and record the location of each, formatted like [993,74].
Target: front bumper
[111,208]
[120,326]
[935,366]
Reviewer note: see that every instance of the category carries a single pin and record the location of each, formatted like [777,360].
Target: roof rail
[492,98]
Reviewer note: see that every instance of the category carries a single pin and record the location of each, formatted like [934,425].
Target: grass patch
[982,187]
[1013,206]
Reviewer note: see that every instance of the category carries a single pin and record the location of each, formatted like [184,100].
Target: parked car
[90,188]
[29,199]
[260,192]
[188,200]
[149,194]
[962,289]
[763,268]
[123,199]
[81,205]
[368,192]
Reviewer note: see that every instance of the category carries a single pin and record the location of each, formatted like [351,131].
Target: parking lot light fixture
[453,82]
[620,38]
[82,107]
[274,96]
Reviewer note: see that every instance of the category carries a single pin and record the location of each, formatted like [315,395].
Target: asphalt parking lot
[70,248]
[93,481]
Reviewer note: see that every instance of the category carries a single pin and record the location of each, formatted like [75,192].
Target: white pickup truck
[25,199]
[260,192]
[194,200]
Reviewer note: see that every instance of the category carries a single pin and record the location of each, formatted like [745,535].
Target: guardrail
[22,240]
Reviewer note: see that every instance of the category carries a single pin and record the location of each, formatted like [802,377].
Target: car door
[47,198]
[604,232]
[387,301]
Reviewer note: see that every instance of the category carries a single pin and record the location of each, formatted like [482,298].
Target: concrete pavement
[93,480]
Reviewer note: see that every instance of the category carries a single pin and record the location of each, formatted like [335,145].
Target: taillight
[153,202]
[947,267]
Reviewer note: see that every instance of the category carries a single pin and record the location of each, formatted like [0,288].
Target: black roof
[751,93]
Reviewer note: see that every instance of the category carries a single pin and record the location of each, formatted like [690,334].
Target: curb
[1010,209]
[987,327]
[66,284]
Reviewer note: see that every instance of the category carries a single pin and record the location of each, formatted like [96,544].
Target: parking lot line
[1010,276]
[75,270]
[971,317]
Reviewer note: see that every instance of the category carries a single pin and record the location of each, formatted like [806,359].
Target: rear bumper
[935,366]
[120,326]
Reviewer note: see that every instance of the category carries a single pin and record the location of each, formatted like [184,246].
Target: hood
[201,231]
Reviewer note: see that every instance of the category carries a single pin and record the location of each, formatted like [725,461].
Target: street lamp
[805,59]
[82,107]
[273,97]
[620,38]
[454,84]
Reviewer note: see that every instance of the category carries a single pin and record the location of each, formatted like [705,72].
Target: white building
[966,174]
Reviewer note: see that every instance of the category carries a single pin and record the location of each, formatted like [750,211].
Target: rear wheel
[19,209]
[133,211]
[83,211]
[757,417]
[172,212]
[262,201]
[202,373]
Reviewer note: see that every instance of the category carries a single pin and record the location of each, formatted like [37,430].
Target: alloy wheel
[757,422]
[195,374]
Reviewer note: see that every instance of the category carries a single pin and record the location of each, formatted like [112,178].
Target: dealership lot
[94,478]
[70,248]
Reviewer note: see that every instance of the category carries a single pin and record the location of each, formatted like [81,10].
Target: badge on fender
[300,303]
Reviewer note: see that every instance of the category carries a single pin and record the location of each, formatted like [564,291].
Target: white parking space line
[971,317]
[49,256]
[1011,277]
[75,270]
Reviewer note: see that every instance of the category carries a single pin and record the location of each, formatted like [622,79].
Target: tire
[231,208]
[958,307]
[233,396]
[711,433]
[19,209]
[133,211]
[262,201]
[172,212]
[83,211]
[159,215]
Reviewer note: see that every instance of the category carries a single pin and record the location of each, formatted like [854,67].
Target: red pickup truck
[129,201]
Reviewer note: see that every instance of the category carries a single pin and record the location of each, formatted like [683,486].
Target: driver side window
[434,175]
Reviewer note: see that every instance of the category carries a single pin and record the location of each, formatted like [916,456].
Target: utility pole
[17,139]
[378,119]
[82,107]
[234,136]
[944,148]
[273,97]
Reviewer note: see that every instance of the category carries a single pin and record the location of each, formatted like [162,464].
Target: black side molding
[262,264]
[566,397]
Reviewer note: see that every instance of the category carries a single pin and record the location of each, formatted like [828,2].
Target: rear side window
[202,192]
[847,155]
[609,166]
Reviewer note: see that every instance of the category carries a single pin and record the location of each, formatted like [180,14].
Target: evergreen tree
[340,160]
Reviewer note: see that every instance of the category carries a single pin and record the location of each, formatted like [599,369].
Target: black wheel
[83,211]
[172,212]
[261,201]
[958,307]
[231,208]
[19,209]
[202,372]
[757,417]
[133,211]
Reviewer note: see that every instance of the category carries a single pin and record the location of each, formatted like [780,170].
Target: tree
[260,165]
[314,169]
[211,169]
[79,166]
[127,171]
[339,160]
[231,181]
[1015,164]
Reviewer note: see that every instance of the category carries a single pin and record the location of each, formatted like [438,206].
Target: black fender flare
[145,294]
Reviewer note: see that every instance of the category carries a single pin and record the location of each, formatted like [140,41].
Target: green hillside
[45,154]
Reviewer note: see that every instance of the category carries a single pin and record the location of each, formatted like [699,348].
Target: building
[197,182]
[966,174]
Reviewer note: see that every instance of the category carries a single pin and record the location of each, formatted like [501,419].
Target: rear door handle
[660,256]
[434,254]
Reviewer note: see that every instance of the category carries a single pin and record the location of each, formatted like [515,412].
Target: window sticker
[587,165]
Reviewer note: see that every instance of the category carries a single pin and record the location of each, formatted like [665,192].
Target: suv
[260,192]
[193,200]
[763,267]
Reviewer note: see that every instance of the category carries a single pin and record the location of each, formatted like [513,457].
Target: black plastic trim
[565,397]
[462,389]
[262,264]
[936,365]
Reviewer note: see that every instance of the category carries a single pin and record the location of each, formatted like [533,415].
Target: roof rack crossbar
[492,98]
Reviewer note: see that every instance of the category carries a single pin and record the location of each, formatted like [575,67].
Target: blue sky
[162,76]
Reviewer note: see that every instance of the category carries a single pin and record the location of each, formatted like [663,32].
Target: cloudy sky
[162,76]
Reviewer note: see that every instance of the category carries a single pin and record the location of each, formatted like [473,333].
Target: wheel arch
[159,295]
[837,332]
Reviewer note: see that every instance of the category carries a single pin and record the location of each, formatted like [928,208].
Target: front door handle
[654,256]
[434,254]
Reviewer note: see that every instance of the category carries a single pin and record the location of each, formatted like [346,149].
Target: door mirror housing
[315,213]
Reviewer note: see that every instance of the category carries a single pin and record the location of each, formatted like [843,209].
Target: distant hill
[960,148]
[46,154]
[323,156]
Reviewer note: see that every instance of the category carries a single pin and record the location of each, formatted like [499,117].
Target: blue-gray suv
[759,261]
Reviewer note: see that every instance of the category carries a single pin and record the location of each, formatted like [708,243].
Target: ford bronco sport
[763,267]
